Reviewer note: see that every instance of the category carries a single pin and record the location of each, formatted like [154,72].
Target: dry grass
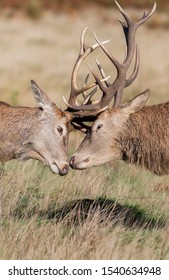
[104,217]
[111,212]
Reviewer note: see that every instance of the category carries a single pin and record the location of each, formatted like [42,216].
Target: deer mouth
[56,166]
[79,165]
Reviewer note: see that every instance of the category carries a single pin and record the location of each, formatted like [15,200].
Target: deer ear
[136,103]
[41,98]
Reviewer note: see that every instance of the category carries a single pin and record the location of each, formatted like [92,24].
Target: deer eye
[99,126]
[60,130]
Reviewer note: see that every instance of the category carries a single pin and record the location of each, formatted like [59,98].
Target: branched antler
[110,91]
[115,90]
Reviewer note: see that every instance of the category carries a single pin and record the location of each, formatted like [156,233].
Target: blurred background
[75,4]
[39,39]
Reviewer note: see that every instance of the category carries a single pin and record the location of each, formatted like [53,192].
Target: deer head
[40,133]
[50,140]
[101,143]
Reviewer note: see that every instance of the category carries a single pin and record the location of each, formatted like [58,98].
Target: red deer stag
[40,133]
[131,131]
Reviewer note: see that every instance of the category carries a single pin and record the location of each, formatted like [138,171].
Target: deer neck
[144,139]
[17,124]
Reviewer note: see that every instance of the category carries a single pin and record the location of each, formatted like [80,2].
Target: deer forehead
[54,116]
[114,115]
[63,116]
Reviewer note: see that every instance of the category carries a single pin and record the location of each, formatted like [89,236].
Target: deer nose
[64,170]
[72,162]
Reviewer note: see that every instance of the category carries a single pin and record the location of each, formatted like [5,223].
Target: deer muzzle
[76,164]
[61,168]
[72,162]
[64,170]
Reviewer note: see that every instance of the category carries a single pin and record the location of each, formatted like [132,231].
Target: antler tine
[147,15]
[87,99]
[112,59]
[96,104]
[133,76]
[125,15]
[85,84]
[87,96]
[105,78]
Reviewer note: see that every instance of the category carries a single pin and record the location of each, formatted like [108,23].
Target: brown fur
[145,138]
[16,126]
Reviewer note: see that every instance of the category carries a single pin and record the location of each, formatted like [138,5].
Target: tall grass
[110,214]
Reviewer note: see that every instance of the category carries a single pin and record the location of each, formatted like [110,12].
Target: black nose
[72,162]
[64,170]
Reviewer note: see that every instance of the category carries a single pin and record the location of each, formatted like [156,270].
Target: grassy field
[110,212]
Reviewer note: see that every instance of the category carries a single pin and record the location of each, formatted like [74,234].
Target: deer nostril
[72,162]
[64,170]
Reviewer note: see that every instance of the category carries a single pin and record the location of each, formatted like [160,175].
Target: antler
[72,104]
[109,90]
[88,110]
[115,90]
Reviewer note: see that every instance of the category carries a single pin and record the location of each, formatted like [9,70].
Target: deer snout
[64,170]
[79,163]
[61,168]
[72,162]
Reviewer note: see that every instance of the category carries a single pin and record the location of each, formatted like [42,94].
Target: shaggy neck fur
[145,139]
